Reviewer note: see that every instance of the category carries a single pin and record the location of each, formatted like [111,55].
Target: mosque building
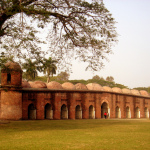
[37,100]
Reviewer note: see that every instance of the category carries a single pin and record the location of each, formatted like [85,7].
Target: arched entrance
[64,112]
[128,112]
[146,112]
[78,112]
[31,112]
[104,108]
[91,112]
[118,112]
[48,112]
[137,112]
[8,78]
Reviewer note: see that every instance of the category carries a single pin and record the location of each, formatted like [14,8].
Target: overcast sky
[130,63]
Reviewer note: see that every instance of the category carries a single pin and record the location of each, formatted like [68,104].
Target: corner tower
[11,94]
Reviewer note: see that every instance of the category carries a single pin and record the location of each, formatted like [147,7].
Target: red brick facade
[37,103]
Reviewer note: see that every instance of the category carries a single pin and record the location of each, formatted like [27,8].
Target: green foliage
[31,68]
[110,78]
[41,78]
[96,77]
[63,76]
[143,88]
[49,67]
[106,83]
[76,29]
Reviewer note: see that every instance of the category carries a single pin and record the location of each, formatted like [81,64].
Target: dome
[13,66]
[25,84]
[54,85]
[106,88]
[68,85]
[126,91]
[31,83]
[81,86]
[94,86]
[38,84]
[144,93]
[135,92]
[116,89]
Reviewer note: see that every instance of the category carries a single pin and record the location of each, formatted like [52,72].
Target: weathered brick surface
[14,104]
[17,103]
[11,105]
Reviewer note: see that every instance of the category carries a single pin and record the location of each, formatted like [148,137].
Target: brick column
[71,104]
[132,106]
[56,105]
[113,105]
[121,101]
[123,112]
[142,106]
[85,105]
[25,106]
[97,106]
[40,106]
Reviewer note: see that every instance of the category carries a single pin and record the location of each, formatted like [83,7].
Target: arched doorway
[146,112]
[8,78]
[48,112]
[128,112]
[31,112]
[118,112]
[137,112]
[78,112]
[104,108]
[64,112]
[91,112]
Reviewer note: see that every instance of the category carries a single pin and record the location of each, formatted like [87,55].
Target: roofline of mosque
[76,90]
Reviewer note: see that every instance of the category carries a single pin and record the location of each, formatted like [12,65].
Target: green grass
[98,134]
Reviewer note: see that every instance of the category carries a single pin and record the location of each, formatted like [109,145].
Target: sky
[130,62]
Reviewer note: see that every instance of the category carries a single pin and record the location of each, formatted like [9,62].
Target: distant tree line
[49,67]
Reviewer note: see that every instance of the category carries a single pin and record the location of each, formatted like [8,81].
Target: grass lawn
[97,134]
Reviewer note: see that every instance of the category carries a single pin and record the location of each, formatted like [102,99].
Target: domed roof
[116,89]
[13,66]
[107,88]
[68,85]
[135,92]
[94,86]
[37,84]
[144,93]
[25,84]
[54,85]
[31,83]
[81,86]
[126,91]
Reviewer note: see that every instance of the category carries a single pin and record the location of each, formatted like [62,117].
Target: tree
[78,29]
[110,79]
[49,67]
[96,77]
[63,76]
[3,59]
[31,69]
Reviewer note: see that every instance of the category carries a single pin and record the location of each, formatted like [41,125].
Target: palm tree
[49,67]
[31,69]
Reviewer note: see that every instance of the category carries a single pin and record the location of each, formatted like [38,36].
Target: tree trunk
[48,79]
